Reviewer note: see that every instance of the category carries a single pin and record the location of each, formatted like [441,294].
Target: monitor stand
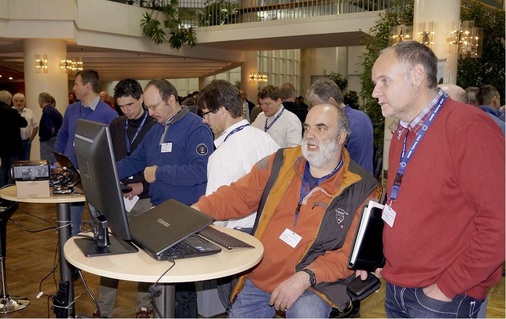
[116,246]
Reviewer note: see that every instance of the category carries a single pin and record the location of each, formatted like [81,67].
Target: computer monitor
[99,178]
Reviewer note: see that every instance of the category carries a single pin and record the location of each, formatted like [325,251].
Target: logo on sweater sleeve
[202,149]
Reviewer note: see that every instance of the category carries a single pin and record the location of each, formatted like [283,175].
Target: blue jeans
[76,217]
[254,303]
[47,149]
[25,151]
[401,302]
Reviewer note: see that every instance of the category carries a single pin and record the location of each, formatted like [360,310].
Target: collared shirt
[416,124]
[233,158]
[93,104]
[26,132]
[286,131]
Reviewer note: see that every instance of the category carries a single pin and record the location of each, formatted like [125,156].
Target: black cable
[89,293]
[156,291]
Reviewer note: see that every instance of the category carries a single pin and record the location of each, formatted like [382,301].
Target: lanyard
[306,187]
[266,127]
[406,156]
[127,140]
[237,129]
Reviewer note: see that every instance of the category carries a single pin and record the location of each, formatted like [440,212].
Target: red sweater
[449,225]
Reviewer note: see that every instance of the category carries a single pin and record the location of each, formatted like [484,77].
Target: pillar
[54,82]
[443,14]
[250,65]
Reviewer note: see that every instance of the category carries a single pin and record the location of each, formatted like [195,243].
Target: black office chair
[7,303]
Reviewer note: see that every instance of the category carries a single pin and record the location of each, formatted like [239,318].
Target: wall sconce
[426,36]
[71,66]
[258,77]
[467,38]
[40,63]
[400,33]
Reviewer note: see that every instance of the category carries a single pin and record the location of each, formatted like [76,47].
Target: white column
[54,82]
[249,65]
[443,14]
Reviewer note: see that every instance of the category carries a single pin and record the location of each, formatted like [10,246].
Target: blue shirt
[181,154]
[360,142]
[101,113]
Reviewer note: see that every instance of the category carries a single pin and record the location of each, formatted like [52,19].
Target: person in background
[445,192]
[28,132]
[360,142]
[238,147]
[472,95]
[72,98]
[173,158]
[307,224]
[288,97]
[247,106]
[104,96]
[489,101]
[50,123]
[127,132]
[459,94]
[284,127]
[10,144]
[89,107]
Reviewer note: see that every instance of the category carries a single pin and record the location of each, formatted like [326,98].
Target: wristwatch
[312,277]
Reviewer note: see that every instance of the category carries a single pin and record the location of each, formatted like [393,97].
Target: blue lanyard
[237,129]
[306,187]
[266,127]
[127,140]
[406,156]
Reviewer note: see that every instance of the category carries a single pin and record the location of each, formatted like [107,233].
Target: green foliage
[489,68]
[400,12]
[172,23]
[216,12]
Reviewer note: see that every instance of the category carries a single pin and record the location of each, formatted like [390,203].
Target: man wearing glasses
[173,158]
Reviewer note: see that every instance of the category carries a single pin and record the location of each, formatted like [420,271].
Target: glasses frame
[153,108]
[208,112]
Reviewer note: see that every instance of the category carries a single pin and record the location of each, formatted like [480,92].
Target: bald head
[454,91]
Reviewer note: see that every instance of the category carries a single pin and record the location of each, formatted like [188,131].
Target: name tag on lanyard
[166,147]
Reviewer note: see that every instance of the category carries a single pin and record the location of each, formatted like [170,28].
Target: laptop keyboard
[223,239]
[189,246]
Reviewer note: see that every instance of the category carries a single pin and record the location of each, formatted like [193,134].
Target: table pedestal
[165,302]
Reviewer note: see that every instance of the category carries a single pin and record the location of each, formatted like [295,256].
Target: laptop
[169,231]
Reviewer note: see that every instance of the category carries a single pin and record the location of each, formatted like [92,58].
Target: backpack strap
[276,166]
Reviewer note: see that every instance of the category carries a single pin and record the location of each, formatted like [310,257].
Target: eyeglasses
[206,113]
[153,107]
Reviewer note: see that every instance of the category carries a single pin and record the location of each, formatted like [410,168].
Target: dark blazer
[10,135]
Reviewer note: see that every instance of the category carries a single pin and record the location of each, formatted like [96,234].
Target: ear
[341,138]
[417,75]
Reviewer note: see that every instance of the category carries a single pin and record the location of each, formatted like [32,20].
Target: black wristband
[312,277]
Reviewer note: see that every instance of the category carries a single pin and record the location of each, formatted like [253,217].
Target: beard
[327,151]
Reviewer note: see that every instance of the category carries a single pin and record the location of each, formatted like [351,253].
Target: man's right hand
[363,273]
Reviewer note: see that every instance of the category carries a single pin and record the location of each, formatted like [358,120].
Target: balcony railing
[220,12]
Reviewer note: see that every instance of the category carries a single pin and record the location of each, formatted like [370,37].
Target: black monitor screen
[99,178]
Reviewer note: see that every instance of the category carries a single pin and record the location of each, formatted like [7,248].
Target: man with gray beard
[306,222]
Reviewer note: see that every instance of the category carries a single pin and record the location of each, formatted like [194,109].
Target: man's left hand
[150,174]
[284,296]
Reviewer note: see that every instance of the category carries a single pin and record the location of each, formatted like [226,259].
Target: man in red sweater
[444,216]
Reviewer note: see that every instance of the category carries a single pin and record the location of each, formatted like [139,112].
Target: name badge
[166,147]
[389,215]
[290,237]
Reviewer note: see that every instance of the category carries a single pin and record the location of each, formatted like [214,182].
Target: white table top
[10,193]
[141,267]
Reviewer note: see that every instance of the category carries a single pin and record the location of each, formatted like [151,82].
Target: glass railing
[220,12]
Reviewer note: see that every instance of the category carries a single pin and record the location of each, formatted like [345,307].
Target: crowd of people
[297,177]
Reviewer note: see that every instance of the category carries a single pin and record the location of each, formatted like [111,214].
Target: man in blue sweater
[90,107]
[173,157]
[360,142]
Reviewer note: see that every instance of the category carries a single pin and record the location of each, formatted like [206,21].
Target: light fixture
[467,39]
[426,36]
[400,33]
[40,63]
[71,66]
[258,77]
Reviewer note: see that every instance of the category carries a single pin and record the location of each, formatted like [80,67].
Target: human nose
[376,92]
